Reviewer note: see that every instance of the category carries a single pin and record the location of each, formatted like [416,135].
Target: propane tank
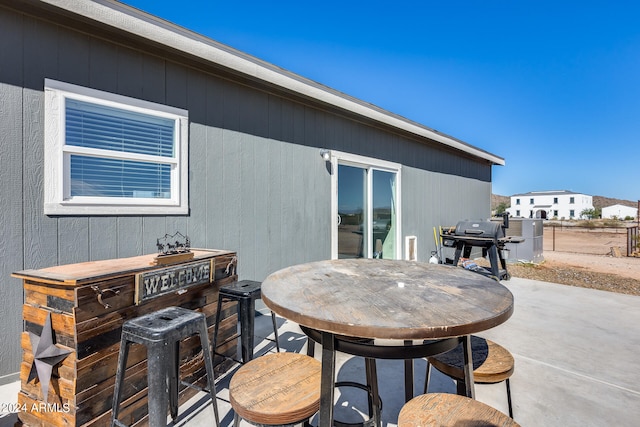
[434,258]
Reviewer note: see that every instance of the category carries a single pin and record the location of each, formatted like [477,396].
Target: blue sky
[553,87]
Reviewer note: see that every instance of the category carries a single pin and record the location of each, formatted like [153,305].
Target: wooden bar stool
[245,292]
[492,364]
[161,332]
[450,410]
[276,389]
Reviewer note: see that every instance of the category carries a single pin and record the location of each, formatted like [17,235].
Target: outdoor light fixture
[325,154]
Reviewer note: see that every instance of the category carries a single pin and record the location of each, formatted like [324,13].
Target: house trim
[154,29]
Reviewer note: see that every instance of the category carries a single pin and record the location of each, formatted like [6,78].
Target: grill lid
[479,229]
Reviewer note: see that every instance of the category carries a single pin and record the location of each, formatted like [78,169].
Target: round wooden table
[388,300]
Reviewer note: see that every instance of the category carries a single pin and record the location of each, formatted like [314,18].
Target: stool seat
[243,288]
[444,410]
[276,389]
[492,363]
[170,323]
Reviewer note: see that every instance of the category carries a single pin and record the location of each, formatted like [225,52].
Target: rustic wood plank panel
[104,369]
[61,390]
[98,333]
[35,299]
[60,322]
[41,416]
[67,363]
[98,400]
[112,319]
[101,298]
[59,336]
[78,274]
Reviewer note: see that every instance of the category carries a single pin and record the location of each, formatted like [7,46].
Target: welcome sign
[152,284]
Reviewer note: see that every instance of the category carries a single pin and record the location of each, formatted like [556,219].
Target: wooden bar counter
[87,304]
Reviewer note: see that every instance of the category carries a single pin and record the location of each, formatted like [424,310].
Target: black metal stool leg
[174,377]
[157,361]
[275,330]
[408,376]
[247,314]
[426,377]
[208,363]
[374,397]
[214,344]
[117,391]
[509,397]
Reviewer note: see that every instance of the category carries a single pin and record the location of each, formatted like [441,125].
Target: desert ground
[584,258]
[597,241]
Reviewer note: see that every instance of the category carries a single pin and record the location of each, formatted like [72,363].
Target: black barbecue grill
[488,235]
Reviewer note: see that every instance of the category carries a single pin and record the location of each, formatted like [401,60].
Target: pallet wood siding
[256,182]
[82,384]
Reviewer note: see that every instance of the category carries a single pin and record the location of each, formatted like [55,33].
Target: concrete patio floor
[577,354]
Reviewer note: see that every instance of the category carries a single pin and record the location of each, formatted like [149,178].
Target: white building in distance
[619,211]
[559,204]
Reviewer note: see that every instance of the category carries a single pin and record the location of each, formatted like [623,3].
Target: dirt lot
[597,241]
[603,272]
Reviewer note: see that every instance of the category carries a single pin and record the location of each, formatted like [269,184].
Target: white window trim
[57,190]
[338,157]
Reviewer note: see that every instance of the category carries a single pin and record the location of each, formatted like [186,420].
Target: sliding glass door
[366,211]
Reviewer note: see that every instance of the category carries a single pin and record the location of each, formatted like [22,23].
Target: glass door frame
[370,164]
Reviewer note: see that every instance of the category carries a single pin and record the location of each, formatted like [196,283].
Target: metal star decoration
[46,354]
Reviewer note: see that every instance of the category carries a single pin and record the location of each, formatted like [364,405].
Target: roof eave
[157,30]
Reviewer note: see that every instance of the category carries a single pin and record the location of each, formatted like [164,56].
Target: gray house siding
[257,184]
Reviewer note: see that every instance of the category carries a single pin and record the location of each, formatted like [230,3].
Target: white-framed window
[366,205]
[108,154]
